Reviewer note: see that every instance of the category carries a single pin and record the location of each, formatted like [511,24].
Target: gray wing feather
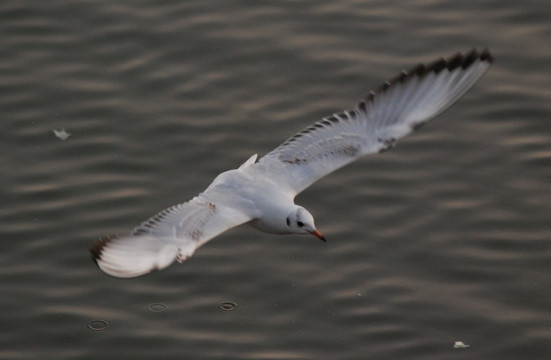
[172,234]
[393,111]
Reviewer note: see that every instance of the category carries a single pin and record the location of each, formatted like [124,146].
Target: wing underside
[172,234]
[376,124]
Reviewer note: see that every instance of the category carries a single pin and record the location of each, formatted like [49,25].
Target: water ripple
[443,239]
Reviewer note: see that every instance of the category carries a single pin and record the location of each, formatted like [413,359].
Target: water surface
[443,239]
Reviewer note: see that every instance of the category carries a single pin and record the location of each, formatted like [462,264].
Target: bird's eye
[300,223]
[288,221]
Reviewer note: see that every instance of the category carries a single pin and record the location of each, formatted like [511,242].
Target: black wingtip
[97,248]
[458,60]
[436,66]
[470,58]
[467,60]
[486,56]
[473,55]
[455,61]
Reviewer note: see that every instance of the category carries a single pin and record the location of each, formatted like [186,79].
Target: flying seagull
[261,193]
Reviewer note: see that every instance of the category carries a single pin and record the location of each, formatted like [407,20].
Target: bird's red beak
[317,234]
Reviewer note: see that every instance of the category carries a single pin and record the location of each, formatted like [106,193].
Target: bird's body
[254,193]
[261,193]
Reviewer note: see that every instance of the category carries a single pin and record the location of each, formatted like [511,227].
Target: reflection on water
[442,240]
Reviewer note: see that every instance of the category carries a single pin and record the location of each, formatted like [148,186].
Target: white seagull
[261,193]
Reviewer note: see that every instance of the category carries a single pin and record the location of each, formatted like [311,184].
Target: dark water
[446,238]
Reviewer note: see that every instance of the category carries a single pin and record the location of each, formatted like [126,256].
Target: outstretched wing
[172,234]
[378,122]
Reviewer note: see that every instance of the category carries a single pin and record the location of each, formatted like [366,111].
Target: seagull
[261,193]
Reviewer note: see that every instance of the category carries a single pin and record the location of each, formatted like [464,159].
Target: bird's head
[300,221]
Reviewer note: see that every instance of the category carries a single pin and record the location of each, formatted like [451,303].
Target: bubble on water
[157,308]
[98,325]
[228,306]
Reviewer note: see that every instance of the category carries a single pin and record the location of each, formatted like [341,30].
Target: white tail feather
[134,255]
